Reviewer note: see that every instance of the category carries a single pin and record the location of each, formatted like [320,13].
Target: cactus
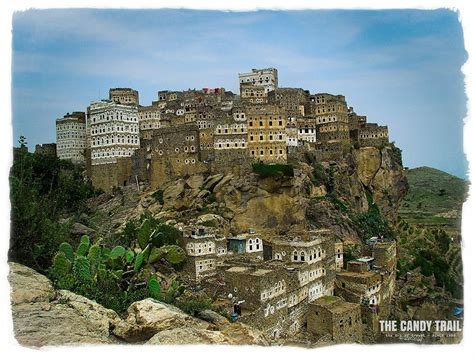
[154,288]
[117,252]
[67,282]
[138,262]
[129,255]
[174,254]
[66,248]
[61,266]
[144,233]
[155,255]
[85,239]
[84,245]
[82,269]
[94,258]
[157,239]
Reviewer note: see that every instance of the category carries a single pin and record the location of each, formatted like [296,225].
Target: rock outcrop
[277,204]
[44,316]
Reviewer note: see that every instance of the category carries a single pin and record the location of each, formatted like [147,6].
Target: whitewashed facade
[71,137]
[114,131]
[267,78]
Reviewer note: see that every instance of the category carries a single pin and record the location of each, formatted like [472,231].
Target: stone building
[266,78]
[294,101]
[250,243]
[46,149]
[323,104]
[370,134]
[274,293]
[339,255]
[203,246]
[253,94]
[361,287]
[171,152]
[71,137]
[292,132]
[114,138]
[266,133]
[306,129]
[332,316]
[124,96]
[231,152]
[355,121]
[148,119]
[166,95]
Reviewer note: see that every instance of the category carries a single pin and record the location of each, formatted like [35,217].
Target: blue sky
[401,68]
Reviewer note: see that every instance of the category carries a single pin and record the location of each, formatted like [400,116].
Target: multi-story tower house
[266,133]
[332,133]
[307,129]
[124,96]
[203,246]
[114,138]
[230,143]
[171,152]
[71,137]
[258,79]
[253,94]
[148,119]
[294,101]
[166,95]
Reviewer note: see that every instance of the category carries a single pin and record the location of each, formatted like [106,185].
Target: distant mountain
[434,199]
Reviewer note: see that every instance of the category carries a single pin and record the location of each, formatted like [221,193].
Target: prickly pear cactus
[129,255]
[154,288]
[61,266]
[66,248]
[144,233]
[174,254]
[82,269]
[94,258]
[117,252]
[157,239]
[138,262]
[83,246]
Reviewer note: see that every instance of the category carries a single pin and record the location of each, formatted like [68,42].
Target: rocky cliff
[44,316]
[318,195]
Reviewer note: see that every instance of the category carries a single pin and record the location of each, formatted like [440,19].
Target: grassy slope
[434,199]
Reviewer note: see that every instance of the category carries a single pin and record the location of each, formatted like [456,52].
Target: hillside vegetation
[434,199]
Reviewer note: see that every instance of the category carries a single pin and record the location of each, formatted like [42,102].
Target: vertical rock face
[367,161]
[389,184]
[380,172]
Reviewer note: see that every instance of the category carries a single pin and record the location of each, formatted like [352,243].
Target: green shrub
[192,304]
[158,196]
[268,170]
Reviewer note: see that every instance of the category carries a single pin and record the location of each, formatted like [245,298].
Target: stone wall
[46,149]
[335,317]
[108,176]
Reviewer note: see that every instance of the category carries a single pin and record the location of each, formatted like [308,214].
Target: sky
[401,68]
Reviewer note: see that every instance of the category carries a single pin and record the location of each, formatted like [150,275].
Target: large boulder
[148,317]
[186,336]
[78,230]
[43,317]
[28,286]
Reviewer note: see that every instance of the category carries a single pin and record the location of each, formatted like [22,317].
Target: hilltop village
[280,284]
